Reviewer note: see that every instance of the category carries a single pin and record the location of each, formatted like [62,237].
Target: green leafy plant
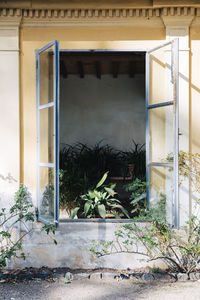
[155,270]
[138,195]
[136,156]
[99,201]
[20,215]
[155,240]
[81,167]
[189,167]
[179,249]
[47,201]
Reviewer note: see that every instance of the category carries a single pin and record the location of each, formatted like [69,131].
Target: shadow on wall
[8,178]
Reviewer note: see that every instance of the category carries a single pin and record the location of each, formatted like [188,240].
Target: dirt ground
[85,289]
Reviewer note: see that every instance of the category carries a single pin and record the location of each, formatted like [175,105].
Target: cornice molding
[99,4]
[184,21]
[42,16]
[96,12]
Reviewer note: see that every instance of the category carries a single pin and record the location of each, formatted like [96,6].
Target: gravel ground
[99,290]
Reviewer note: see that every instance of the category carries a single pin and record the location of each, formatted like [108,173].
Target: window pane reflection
[161,77]
[161,191]
[47,76]
[46,205]
[161,132]
[47,135]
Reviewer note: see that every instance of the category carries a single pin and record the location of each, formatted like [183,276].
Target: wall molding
[96,12]
[39,17]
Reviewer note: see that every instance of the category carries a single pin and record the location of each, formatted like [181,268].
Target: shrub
[155,240]
[138,195]
[19,214]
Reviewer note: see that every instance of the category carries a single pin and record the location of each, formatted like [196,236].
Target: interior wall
[108,109]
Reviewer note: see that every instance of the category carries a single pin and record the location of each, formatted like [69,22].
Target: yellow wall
[70,38]
[195,90]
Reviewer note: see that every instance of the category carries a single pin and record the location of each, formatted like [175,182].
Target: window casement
[161,129]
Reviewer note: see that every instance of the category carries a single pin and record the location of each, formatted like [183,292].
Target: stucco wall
[194,82]
[9,114]
[101,30]
[84,38]
[195,88]
[73,239]
[109,109]
[72,249]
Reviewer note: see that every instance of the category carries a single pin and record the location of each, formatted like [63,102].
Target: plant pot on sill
[131,169]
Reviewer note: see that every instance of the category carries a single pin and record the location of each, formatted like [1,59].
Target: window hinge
[180,133]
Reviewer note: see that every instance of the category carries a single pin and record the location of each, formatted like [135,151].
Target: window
[161,116]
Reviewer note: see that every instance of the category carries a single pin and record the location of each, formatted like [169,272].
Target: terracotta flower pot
[130,169]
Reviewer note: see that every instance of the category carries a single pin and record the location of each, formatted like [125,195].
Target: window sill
[101,221]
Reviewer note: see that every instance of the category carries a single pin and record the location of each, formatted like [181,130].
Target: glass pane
[160,75]
[47,135]
[47,76]
[161,130]
[161,191]
[46,204]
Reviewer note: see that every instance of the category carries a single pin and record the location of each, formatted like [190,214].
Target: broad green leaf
[125,212]
[96,200]
[104,195]
[75,212]
[84,197]
[86,208]
[102,210]
[110,191]
[113,200]
[112,186]
[141,197]
[97,194]
[110,204]
[103,179]
[91,194]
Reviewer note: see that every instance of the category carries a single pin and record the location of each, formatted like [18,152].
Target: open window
[102,129]
[161,109]
[47,86]
[162,127]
